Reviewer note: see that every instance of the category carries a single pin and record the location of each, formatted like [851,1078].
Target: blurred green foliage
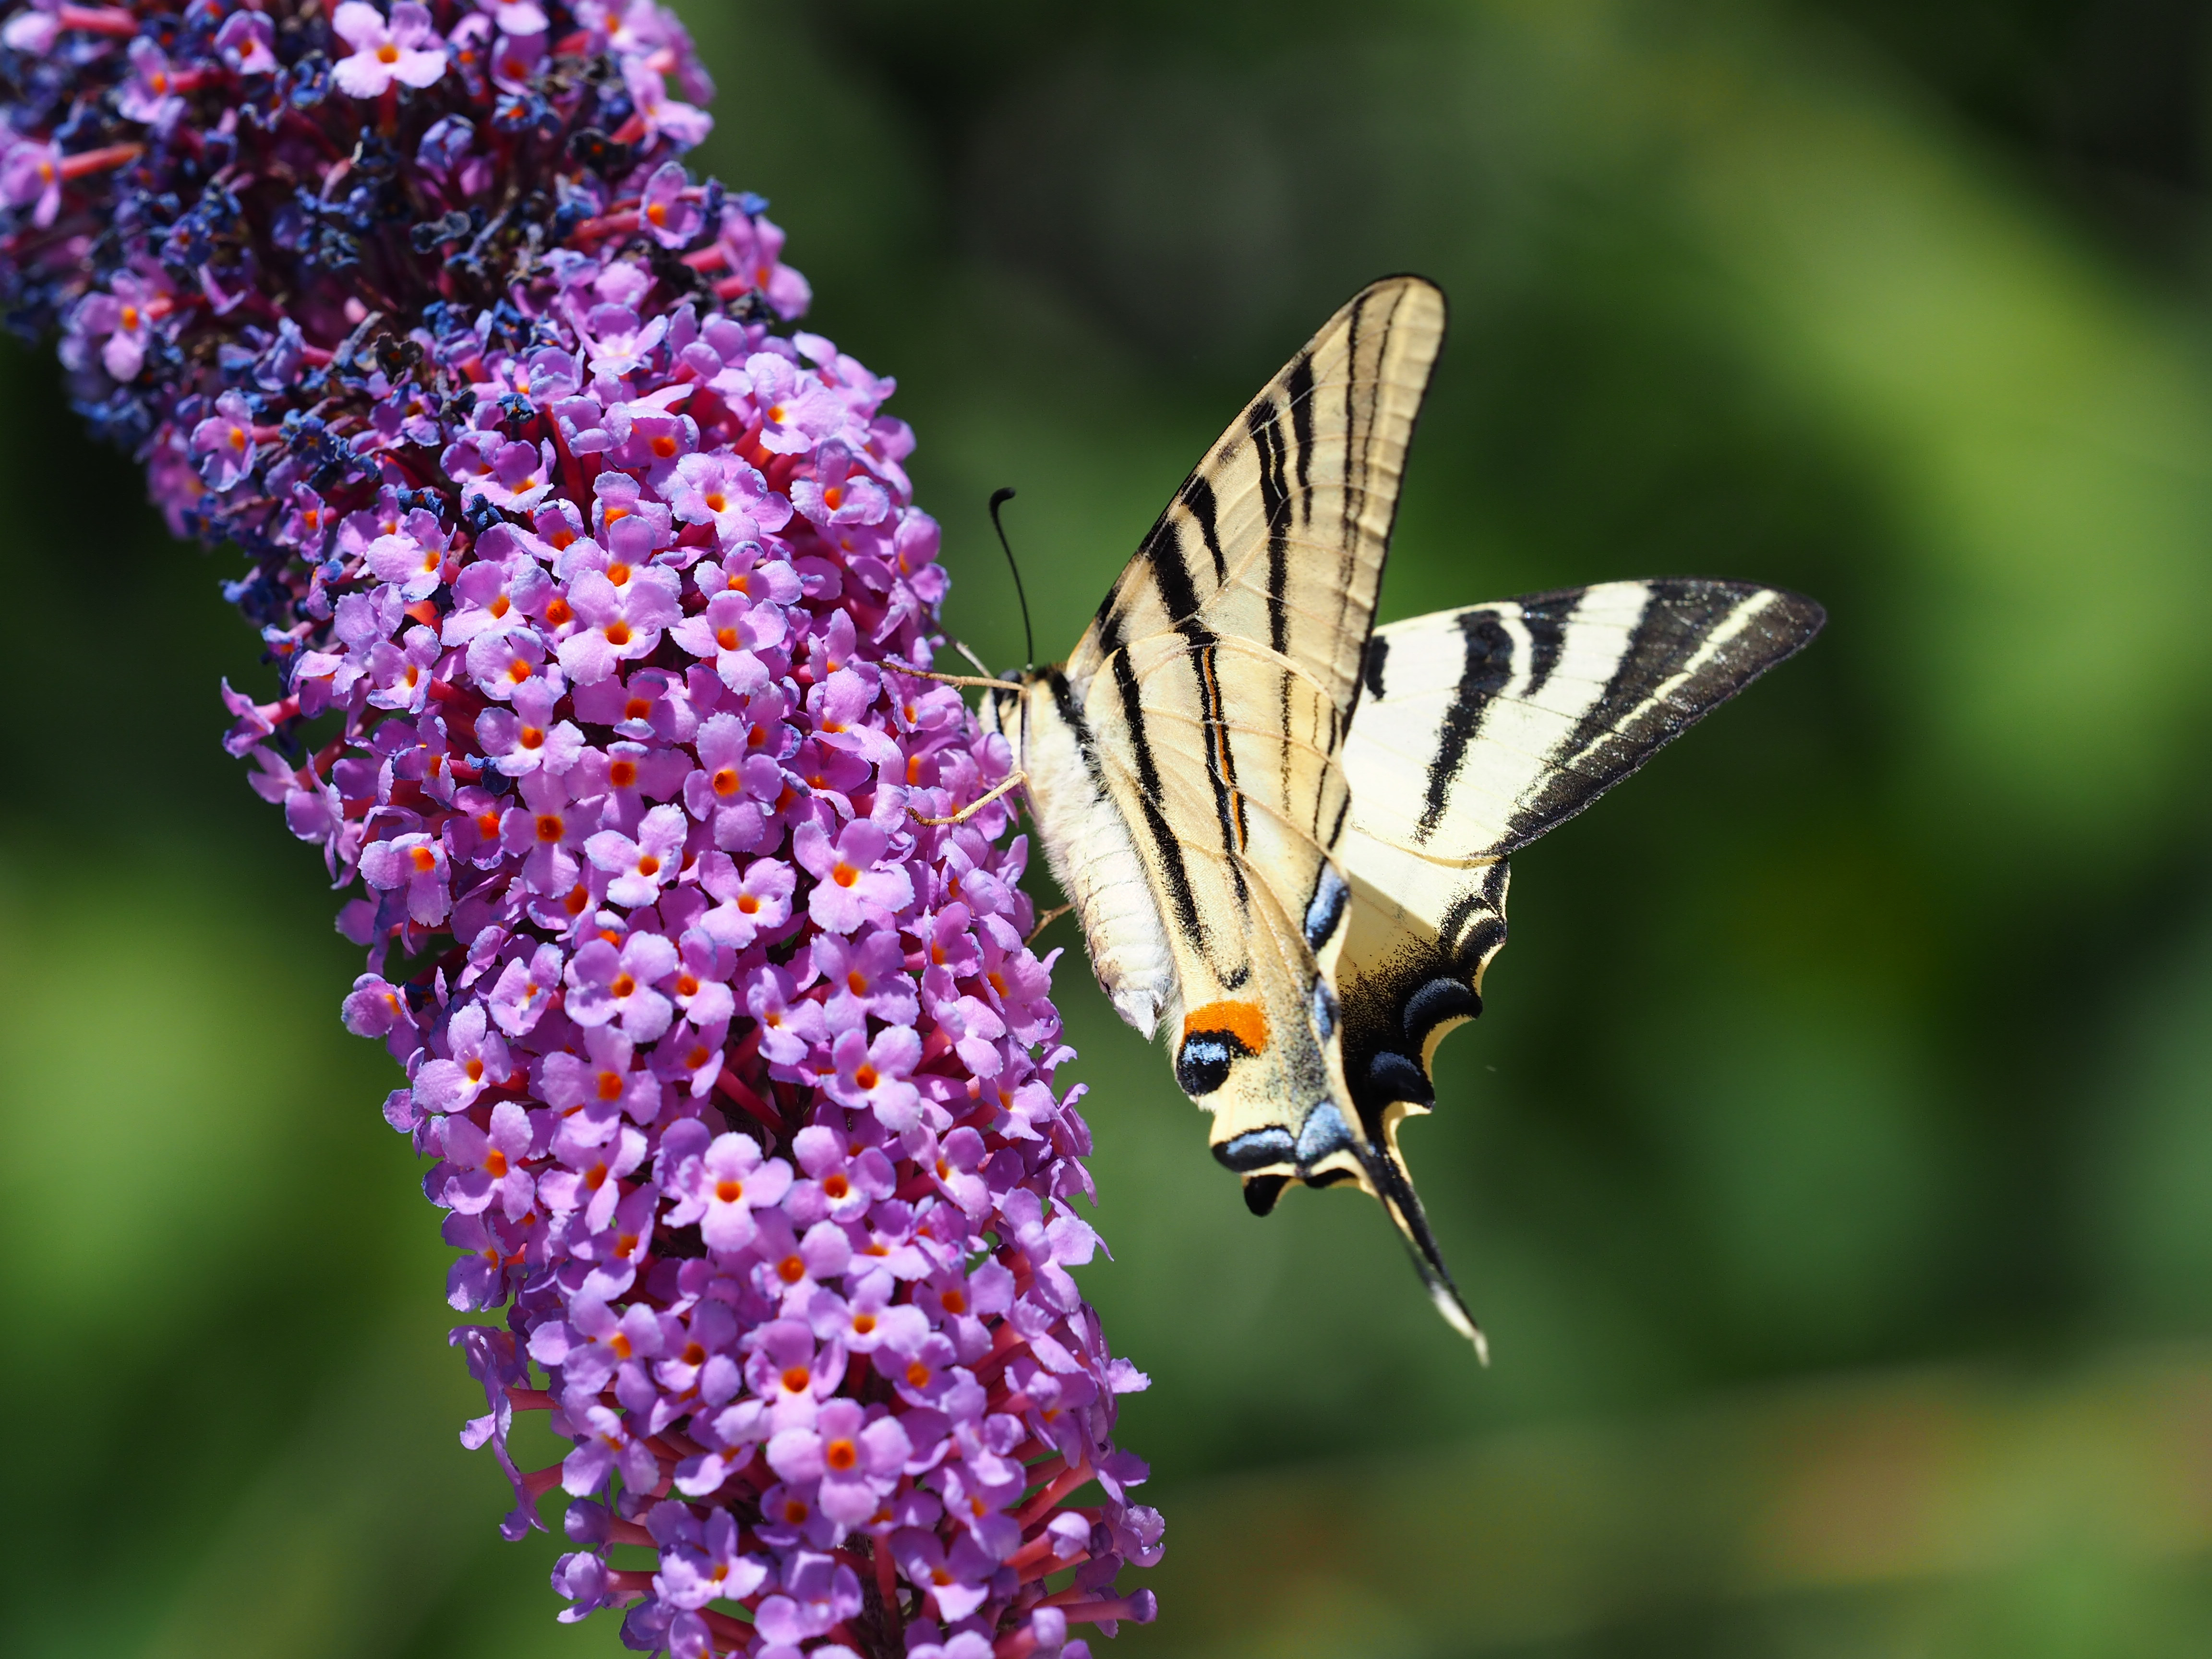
[1869,1031]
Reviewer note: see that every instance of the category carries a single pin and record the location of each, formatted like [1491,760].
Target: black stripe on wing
[1487,669]
[1149,790]
[1511,650]
[1277,437]
[1631,721]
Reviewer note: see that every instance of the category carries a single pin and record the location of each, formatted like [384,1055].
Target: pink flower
[31,176]
[873,1075]
[722,1186]
[669,210]
[853,887]
[414,865]
[856,1453]
[475,1060]
[728,633]
[618,623]
[594,1086]
[406,49]
[489,1166]
[639,868]
[610,983]
[754,900]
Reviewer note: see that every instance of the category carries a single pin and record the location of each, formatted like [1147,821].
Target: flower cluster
[597,602]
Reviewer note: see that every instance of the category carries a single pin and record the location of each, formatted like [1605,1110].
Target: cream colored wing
[1479,729]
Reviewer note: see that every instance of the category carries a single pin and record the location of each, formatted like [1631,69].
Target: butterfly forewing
[1278,536]
[1217,684]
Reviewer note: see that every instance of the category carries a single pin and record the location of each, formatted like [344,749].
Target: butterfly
[1284,829]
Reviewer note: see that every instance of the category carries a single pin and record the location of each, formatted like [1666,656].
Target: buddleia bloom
[595,588]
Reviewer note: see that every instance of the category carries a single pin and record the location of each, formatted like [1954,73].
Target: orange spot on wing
[1245,1021]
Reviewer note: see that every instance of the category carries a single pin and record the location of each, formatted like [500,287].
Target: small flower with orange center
[406,51]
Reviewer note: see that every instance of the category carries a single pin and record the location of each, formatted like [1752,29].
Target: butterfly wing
[1481,729]
[1207,702]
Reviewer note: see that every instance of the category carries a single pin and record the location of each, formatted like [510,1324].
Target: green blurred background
[1833,1170]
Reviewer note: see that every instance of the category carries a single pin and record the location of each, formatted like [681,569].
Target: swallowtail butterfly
[1284,831]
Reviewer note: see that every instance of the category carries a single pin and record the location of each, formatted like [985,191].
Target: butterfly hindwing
[1479,730]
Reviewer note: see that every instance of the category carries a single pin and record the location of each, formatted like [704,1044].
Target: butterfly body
[1284,830]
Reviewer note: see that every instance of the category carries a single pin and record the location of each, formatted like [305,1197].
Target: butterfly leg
[1013,781]
[956,680]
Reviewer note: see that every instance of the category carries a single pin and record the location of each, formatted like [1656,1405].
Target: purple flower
[873,1075]
[518,55]
[662,116]
[524,736]
[856,1454]
[729,633]
[514,17]
[475,1060]
[701,986]
[616,623]
[837,494]
[853,889]
[723,1185]
[619,341]
[519,476]
[755,900]
[149,95]
[590,1175]
[412,556]
[606,983]
[547,828]
[122,319]
[866,976]
[525,989]
[669,210]
[34,29]
[224,441]
[598,1083]
[702,1564]
[489,1165]
[723,491]
[796,410]
[247,42]
[789,1026]
[414,865]
[406,49]
[640,867]
[31,176]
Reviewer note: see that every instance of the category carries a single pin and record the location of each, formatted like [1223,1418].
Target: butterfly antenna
[999,497]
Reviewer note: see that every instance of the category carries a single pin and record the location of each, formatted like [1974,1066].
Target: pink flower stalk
[603,598]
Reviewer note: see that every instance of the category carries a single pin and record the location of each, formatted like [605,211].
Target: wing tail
[1393,1184]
